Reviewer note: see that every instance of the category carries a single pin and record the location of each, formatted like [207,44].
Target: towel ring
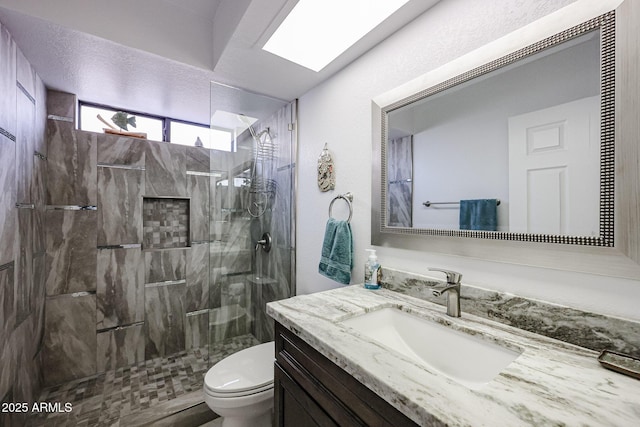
[348,197]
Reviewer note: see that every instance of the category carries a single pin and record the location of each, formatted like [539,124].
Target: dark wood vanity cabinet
[310,390]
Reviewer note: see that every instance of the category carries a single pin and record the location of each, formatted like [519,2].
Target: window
[201,136]
[89,121]
[159,128]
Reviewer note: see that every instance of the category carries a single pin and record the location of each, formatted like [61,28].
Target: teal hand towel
[336,261]
[479,214]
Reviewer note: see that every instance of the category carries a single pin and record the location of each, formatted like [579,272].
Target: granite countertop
[550,383]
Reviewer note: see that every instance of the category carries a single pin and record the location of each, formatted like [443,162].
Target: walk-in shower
[172,268]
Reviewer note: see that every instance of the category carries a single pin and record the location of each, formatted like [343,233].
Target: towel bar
[428,203]
[348,197]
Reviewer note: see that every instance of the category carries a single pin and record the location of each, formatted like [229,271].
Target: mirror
[614,248]
[519,148]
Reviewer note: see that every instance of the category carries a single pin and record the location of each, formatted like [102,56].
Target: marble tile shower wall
[113,297]
[23,164]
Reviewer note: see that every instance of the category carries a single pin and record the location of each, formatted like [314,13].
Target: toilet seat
[223,395]
[247,372]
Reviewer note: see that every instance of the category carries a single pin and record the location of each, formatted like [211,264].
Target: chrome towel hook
[348,197]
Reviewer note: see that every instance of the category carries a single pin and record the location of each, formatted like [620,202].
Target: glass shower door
[251,196]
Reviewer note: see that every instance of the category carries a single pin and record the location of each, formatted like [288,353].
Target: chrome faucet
[452,289]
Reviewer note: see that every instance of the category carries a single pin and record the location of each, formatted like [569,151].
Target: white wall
[338,112]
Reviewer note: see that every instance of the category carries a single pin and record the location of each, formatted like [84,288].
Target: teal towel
[480,214]
[336,261]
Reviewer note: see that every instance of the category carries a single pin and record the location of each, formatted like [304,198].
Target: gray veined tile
[400,189]
[25,146]
[27,380]
[166,171]
[234,259]
[120,348]
[71,238]
[218,279]
[222,160]
[120,206]
[38,198]
[120,287]
[198,277]
[120,150]
[38,299]
[400,204]
[265,290]
[8,211]
[41,117]
[7,305]
[197,329]
[61,104]
[38,189]
[283,212]
[198,187]
[70,339]
[164,320]
[71,165]
[197,159]
[165,265]
[7,379]
[8,61]
[227,322]
[24,265]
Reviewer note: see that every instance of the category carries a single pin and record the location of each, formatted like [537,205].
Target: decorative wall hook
[326,171]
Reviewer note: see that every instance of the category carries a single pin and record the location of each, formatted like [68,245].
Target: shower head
[244,119]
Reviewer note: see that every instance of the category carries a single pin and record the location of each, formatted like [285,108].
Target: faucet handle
[453,277]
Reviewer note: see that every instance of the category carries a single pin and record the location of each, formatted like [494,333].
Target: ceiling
[159,56]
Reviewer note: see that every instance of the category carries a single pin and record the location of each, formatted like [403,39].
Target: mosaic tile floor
[101,400]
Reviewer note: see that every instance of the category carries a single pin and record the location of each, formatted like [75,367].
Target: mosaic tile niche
[165,223]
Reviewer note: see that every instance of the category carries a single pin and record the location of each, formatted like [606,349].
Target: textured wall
[22,257]
[338,112]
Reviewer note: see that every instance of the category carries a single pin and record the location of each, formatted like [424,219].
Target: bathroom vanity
[331,371]
[311,390]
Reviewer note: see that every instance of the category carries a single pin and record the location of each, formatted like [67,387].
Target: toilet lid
[245,370]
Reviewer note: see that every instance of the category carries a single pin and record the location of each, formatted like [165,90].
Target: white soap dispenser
[372,273]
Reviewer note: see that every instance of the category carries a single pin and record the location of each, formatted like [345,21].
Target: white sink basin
[467,359]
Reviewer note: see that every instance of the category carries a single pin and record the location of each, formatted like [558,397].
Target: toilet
[239,388]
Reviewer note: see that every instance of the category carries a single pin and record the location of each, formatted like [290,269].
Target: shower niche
[165,223]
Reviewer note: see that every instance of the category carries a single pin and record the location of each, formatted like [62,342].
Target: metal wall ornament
[326,171]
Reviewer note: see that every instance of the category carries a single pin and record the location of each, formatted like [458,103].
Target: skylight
[317,31]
